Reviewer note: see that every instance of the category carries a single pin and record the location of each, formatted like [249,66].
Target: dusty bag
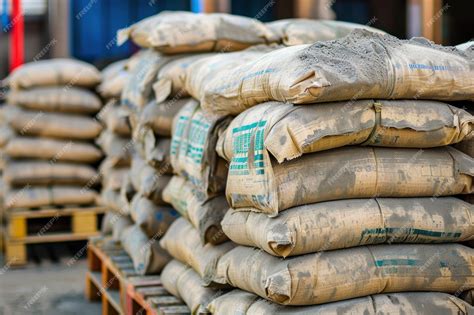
[423,303]
[183,282]
[56,99]
[114,117]
[174,32]
[193,143]
[147,181]
[154,220]
[159,116]
[53,150]
[204,213]
[113,200]
[348,172]
[31,197]
[113,178]
[348,273]
[466,46]
[115,146]
[65,126]
[6,133]
[68,72]
[153,149]
[362,65]
[353,222]
[172,77]
[120,224]
[32,172]
[288,131]
[114,78]
[183,243]
[305,31]
[147,255]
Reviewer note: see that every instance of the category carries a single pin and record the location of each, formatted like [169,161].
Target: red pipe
[17,36]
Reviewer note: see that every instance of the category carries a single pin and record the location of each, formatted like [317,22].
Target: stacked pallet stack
[353,194]
[51,160]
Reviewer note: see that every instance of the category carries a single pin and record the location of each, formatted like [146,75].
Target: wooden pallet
[83,222]
[146,295]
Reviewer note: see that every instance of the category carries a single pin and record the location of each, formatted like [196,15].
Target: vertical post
[17,36]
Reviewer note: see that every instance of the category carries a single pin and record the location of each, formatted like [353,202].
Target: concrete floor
[49,288]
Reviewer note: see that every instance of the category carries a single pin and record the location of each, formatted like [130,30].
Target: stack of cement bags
[51,159]
[348,200]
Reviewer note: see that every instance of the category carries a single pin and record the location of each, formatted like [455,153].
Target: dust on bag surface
[147,255]
[345,173]
[349,273]
[54,72]
[183,243]
[193,143]
[204,213]
[159,116]
[114,117]
[353,222]
[287,131]
[362,65]
[174,32]
[423,303]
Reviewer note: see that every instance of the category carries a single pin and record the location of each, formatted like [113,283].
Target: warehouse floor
[49,288]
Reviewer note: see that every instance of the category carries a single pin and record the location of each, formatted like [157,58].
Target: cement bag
[172,76]
[114,117]
[53,150]
[56,99]
[114,78]
[138,90]
[204,213]
[183,243]
[185,283]
[349,273]
[120,224]
[6,133]
[288,131]
[348,172]
[113,201]
[426,303]
[159,116]
[154,220]
[106,225]
[154,150]
[147,255]
[466,45]
[31,172]
[32,197]
[127,191]
[466,147]
[202,71]
[193,143]
[42,124]
[68,72]
[115,147]
[147,182]
[175,32]
[113,178]
[353,222]
[305,31]
[362,65]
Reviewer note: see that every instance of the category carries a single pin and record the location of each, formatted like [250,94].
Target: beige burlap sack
[353,222]
[174,32]
[154,220]
[56,99]
[288,131]
[420,303]
[114,117]
[147,255]
[113,201]
[113,178]
[115,147]
[53,150]
[159,116]
[53,125]
[153,149]
[114,78]
[204,213]
[202,71]
[106,225]
[31,197]
[193,143]
[348,273]
[304,31]
[67,72]
[362,65]
[147,181]
[6,133]
[345,173]
[171,78]
[33,172]
[183,282]
[183,243]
